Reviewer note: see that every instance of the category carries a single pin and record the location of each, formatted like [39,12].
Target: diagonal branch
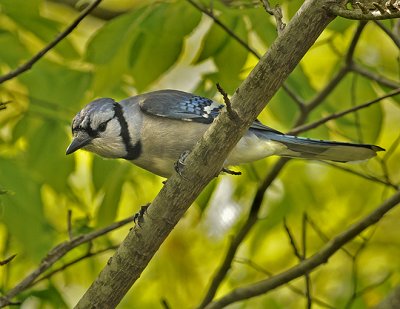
[277,13]
[55,255]
[207,158]
[390,34]
[28,65]
[377,14]
[244,231]
[311,263]
[224,27]
[333,116]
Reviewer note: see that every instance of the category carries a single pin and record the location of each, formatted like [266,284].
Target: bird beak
[79,141]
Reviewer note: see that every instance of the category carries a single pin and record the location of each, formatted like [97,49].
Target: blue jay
[153,129]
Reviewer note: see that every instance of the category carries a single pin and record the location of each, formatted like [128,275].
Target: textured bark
[206,159]
[392,301]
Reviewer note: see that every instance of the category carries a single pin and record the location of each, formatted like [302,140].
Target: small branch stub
[277,13]
[368,11]
[233,115]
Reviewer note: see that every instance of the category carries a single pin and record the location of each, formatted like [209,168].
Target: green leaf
[283,109]
[160,40]
[50,84]
[46,150]
[262,25]
[15,50]
[204,197]
[23,8]
[229,55]
[27,15]
[113,36]
[364,125]
[22,211]
[214,41]
[340,25]
[108,176]
[50,295]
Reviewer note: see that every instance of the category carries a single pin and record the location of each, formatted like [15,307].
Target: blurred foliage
[170,44]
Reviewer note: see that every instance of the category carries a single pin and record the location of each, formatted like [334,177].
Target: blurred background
[128,47]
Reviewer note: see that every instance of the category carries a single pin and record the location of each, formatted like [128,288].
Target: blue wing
[185,106]
[180,105]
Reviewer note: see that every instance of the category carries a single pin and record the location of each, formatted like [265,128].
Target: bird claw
[138,218]
[180,164]
[230,172]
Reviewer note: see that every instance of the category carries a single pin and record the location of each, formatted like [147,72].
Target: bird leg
[138,218]
[180,164]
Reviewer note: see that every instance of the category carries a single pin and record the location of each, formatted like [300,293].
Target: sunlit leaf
[26,14]
[13,50]
[113,36]
[108,176]
[50,84]
[160,40]
[46,149]
[22,211]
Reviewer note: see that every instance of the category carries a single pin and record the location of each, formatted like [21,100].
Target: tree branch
[207,158]
[224,27]
[55,255]
[390,34]
[244,231]
[277,13]
[378,13]
[311,263]
[373,76]
[333,116]
[291,287]
[28,65]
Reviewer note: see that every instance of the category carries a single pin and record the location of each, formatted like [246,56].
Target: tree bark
[207,158]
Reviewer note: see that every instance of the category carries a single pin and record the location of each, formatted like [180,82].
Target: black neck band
[132,151]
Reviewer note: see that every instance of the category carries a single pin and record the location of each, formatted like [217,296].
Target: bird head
[97,128]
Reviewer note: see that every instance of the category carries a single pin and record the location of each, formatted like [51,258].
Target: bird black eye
[102,127]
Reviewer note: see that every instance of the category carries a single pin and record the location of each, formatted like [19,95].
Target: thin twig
[322,235]
[390,34]
[231,112]
[7,260]
[303,257]
[333,116]
[293,244]
[350,52]
[71,263]
[375,77]
[374,285]
[55,255]
[69,224]
[244,44]
[321,96]
[289,285]
[277,13]
[210,14]
[296,98]
[311,263]
[367,177]
[27,65]
[241,235]
[354,270]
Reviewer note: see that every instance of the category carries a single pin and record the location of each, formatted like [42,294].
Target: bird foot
[138,218]
[180,164]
